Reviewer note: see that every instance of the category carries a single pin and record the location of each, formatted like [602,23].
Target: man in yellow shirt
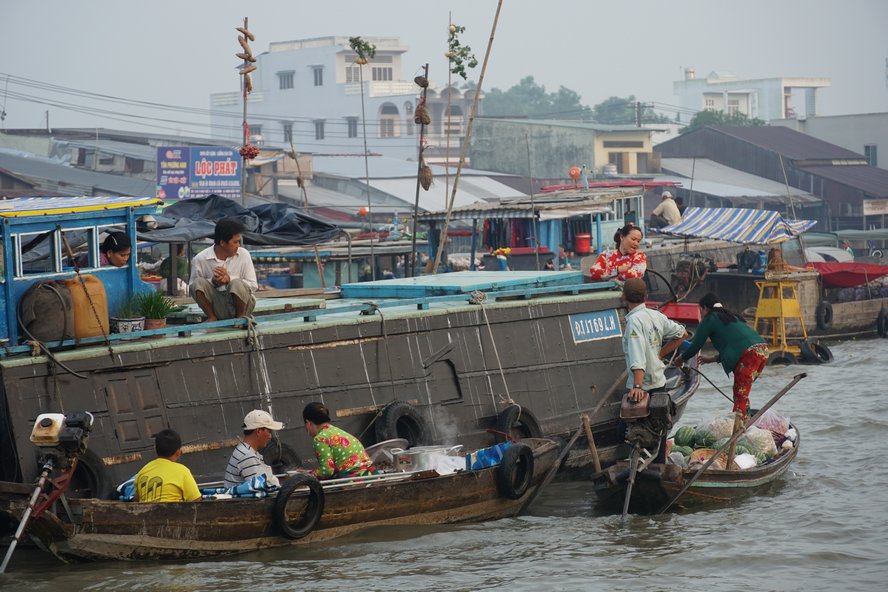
[164,479]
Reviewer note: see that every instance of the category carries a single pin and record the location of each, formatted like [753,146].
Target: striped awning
[739,225]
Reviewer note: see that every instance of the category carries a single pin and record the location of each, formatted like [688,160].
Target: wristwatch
[636,386]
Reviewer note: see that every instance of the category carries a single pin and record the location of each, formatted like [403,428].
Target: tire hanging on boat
[882,322]
[313,509]
[782,358]
[518,422]
[815,353]
[400,419]
[823,314]
[280,457]
[90,478]
[515,472]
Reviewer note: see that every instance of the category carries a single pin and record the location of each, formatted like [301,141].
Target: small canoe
[302,513]
[658,483]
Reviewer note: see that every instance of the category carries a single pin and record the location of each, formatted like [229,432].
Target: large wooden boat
[657,484]
[461,357]
[117,530]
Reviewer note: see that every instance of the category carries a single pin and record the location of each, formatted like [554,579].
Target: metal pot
[421,458]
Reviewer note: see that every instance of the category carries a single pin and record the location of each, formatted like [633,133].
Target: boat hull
[118,530]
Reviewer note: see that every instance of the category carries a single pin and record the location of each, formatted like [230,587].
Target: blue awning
[739,225]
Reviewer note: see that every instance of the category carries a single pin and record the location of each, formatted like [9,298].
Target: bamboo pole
[465,147]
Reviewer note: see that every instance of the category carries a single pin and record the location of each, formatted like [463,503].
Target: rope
[252,329]
[85,291]
[373,308]
[478,297]
[731,399]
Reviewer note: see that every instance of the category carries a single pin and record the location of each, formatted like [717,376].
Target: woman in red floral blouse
[625,261]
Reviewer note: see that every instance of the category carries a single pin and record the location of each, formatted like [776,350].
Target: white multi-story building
[308,92]
[764,98]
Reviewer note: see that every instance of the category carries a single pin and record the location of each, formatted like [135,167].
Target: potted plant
[155,307]
[128,317]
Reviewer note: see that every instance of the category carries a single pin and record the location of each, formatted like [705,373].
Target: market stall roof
[549,206]
[738,225]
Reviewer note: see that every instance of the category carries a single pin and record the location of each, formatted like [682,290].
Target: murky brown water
[824,527]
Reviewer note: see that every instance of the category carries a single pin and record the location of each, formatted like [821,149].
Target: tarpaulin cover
[849,275]
[267,224]
[739,225]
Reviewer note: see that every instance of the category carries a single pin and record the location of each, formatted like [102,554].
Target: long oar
[733,439]
[633,467]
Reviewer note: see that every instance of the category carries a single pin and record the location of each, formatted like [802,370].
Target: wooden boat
[660,482]
[117,530]
[459,357]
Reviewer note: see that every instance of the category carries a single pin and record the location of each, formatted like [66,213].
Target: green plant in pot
[155,307]
[127,317]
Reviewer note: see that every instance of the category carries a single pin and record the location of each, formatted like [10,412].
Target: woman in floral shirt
[339,453]
[625,261]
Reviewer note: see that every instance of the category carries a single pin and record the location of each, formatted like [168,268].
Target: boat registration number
[591,326]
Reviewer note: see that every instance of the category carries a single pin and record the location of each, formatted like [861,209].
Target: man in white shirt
[223,278]
[246,460]
[666,213]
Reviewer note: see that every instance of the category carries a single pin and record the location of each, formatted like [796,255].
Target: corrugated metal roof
[723,181]
[436,198]
[871,180]
[788,142]
[71,180]
[137,151]
[380,167]
[547,206]
[327,198]
[586,125]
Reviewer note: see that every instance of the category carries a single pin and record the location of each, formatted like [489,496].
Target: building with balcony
[308,92]
[762,98]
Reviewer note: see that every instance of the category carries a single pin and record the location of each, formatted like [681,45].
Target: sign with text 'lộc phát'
[198,171]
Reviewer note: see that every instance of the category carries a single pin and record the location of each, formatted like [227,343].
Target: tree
[622,111]
[529,99]
[712,117]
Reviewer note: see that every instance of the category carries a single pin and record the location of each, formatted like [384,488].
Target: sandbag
[46,312]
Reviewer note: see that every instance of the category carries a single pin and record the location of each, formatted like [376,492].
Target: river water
[824,527]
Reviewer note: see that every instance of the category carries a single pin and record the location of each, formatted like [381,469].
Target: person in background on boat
[625,261]
[223,278]
[339,453]
[740,349]
[666,213]
[649,337]
[164,479]
[680,204]
[115,250]
[847,246]
[246,459]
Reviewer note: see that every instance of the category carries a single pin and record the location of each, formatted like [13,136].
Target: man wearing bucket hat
[666,213]
[246,461]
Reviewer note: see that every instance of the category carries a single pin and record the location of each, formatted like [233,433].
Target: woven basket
[425,176]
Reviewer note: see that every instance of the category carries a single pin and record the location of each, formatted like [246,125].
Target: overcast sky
[179,51]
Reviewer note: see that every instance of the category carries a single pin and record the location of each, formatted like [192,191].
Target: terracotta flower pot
[155,324]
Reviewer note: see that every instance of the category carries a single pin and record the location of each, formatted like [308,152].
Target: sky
[178,52]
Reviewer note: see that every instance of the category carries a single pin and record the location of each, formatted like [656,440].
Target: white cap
[666,194]
[261,419]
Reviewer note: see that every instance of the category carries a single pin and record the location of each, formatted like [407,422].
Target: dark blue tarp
[266,224]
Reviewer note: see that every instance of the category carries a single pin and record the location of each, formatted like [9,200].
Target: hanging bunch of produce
[248,151]
[460,56]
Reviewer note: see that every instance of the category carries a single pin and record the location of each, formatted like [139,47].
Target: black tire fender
[517,421]
[815,353]
[280,457]
[514,474]
[90,478]
[823,314]
[313,511]
[782,358]
[400,419]
[882,322]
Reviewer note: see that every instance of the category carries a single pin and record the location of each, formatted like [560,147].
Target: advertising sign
[197,171]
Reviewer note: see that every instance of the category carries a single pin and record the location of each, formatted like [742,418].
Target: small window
[319,129]
[83,248]
[352,74]
[382,74]
[103,232]
[352,123]
[871,152]
[386,128]
[36,253]
[286,80]
[318,75]
[288,133]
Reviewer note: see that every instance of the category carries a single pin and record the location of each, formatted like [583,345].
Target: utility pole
[637,113]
